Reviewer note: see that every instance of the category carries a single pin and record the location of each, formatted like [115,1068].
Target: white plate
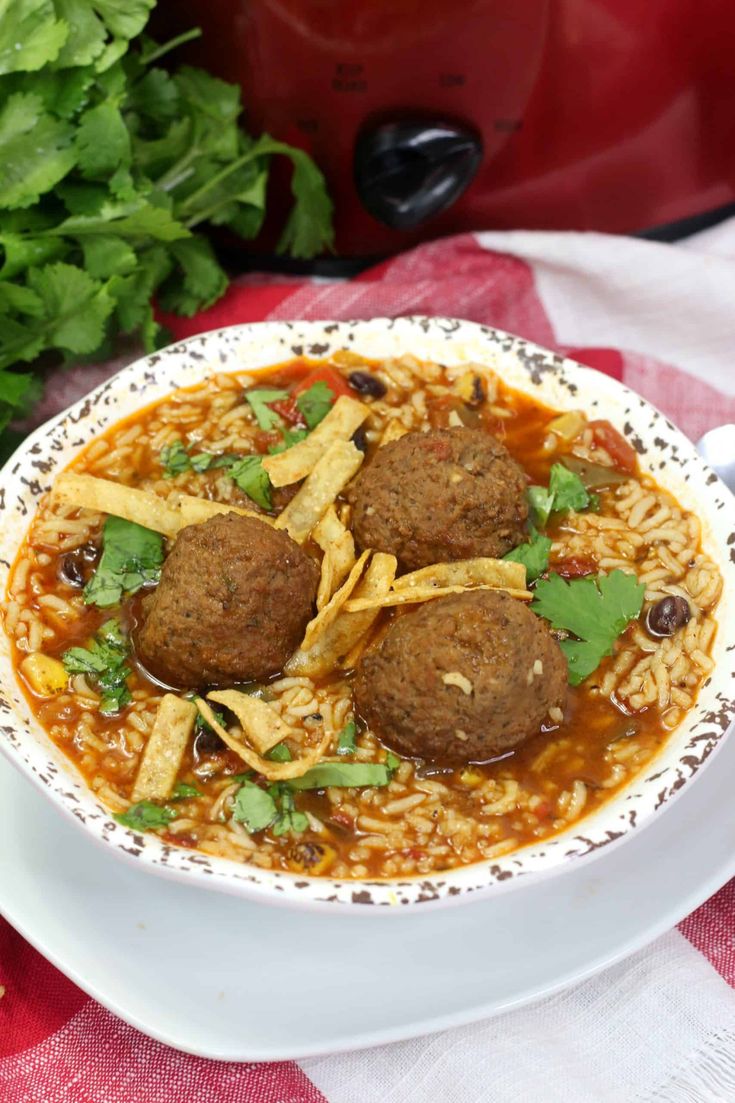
[207,973]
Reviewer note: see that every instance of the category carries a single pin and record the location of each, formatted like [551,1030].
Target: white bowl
[663,451]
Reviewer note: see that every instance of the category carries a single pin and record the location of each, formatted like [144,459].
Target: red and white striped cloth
[659,1028]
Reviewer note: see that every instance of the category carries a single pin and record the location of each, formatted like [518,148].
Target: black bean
[359,439]
[667,616]
[478,392]
[207,742]
[90,552]
[70,571]
[365,383]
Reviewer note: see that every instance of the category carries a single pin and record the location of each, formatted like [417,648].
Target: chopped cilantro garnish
[596,611]
[254,807]
[146,816]
[175,460]
[266,418]
[252,478]
[279,753]
[315,403]
[104,661]
[290,437]
[132,557]
[346,742]
[350,775]
[184,791]
[565,491]
[288,821]
[534,555]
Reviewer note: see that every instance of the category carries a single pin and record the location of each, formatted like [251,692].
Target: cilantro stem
[251,155]
[172,44]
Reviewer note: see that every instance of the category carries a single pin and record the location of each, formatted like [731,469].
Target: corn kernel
[471,778]
[311,858]
[45,676]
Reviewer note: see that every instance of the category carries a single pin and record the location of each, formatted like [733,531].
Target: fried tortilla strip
[262,724]
[88,492]
[394,430]
[346,416]
[338,545]
[193,510]
[483,571]
[273,771]
[348,628]
[165,749]
[166,515]
[415,595]
[328,479]
[326,616]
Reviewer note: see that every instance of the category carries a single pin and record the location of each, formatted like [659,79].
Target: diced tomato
[620,452]
[575,566]
[336,383]
[289,411]
[263,440]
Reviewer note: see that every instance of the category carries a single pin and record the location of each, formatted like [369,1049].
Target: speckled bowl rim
[561,383]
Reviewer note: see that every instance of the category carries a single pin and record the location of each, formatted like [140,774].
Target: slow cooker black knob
[407,171]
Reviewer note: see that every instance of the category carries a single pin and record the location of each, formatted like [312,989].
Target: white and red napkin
[658,1028]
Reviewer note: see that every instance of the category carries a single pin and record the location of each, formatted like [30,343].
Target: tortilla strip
[482,571]
[166,515]
[273,771]
[297,462]
[261,723]
[407,597]
[105,496]
[348,628]
[193,510]
[326,616]
[394,430]
[328,479]
[165,749]
[338,545]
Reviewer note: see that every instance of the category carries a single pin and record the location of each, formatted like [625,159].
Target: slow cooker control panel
[408,170]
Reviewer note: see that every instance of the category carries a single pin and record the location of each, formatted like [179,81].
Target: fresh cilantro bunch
[105,661]
[108,165]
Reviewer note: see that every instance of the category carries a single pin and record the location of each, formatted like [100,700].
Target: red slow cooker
[431,117]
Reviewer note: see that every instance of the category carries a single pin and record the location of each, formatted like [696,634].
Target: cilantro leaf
[566,491]
[132,558]
[30,35]
[392,761]
[290,437]
[350,775]
[35,150]
[252,478]
[534,555]
[104,661]
[266,418]
[346,743]
[184,791]
[540,501]
[315,403]
[288,820]
[596,611]
[254,807]
[102,142]
[146,816]
[280,753]
[175,460]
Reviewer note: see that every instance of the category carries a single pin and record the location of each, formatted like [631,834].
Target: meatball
[442,495]
[234,598]
[462,679]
